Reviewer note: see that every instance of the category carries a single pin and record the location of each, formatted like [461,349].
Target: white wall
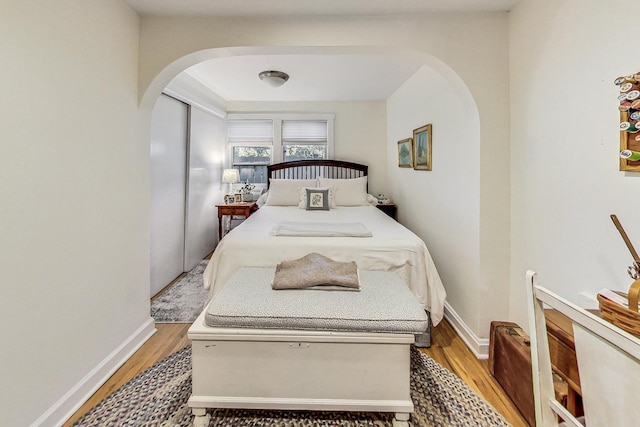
[359,131]
[442,206]
[74,215]
[565,180]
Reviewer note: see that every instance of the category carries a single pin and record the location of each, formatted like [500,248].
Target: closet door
[168,190]
[204,188]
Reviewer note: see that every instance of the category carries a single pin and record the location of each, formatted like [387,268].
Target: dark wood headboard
[311,169]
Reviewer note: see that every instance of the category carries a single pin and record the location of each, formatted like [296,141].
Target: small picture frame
[229,198]
[422,148]
[405,153]
[237,198]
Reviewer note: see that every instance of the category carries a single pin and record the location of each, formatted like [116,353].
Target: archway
[463,174]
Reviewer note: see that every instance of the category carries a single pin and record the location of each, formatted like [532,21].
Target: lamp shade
[230,176]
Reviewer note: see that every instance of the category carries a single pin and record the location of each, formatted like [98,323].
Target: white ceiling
[313,7]
[314,76]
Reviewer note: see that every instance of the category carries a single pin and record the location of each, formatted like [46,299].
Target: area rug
[158,397]
[184,300]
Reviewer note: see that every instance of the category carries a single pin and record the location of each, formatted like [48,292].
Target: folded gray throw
[315,271]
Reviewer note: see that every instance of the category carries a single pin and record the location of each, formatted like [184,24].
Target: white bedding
[320,229]
[392,248]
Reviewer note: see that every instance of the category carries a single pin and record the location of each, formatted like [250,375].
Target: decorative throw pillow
[302,204]
[317,199]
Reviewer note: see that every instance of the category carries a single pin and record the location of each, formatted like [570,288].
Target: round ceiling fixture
[274,78]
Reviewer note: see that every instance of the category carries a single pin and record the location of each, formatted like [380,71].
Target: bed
[273,349]
[392,247]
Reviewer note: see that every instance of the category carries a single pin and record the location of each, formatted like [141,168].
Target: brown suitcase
[510,364]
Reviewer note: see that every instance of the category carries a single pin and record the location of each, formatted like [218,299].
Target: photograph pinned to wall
[405,153]
[422,148]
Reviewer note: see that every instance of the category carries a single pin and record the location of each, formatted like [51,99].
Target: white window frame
[277,119]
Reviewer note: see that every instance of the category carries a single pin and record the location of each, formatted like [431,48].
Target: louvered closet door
[168,190]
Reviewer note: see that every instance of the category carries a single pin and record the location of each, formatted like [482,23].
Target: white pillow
[262,199]
[348,192]
[303,197]
[286,192]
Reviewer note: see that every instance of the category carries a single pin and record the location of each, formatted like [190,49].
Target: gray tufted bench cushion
[384,304]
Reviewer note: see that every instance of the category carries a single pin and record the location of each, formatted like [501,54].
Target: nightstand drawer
[238,211]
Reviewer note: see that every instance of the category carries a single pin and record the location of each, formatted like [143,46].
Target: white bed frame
[299,370]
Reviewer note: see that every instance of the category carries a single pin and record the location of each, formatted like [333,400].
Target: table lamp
[231,176]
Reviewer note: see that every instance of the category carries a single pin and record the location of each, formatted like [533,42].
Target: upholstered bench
[254,347]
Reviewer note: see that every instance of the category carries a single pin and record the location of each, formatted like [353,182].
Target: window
[304,139]
[257,140]
[251,144]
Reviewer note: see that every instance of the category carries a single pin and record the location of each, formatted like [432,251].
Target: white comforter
[392,248]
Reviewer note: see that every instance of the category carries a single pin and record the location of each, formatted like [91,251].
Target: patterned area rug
[184,300]
[158,397]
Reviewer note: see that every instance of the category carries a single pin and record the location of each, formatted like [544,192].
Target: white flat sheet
[392,248]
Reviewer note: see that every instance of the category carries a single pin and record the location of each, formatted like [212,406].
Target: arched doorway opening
[436,77]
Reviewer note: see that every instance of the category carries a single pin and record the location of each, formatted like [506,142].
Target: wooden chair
[608,361]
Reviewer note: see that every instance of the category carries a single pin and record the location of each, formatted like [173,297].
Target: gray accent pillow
[317,199]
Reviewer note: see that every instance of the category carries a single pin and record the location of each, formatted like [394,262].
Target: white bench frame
[299,370]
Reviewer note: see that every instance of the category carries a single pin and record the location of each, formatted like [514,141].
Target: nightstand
[389,208]
[244,209]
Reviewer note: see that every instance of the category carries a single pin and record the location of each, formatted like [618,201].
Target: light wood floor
[447,349]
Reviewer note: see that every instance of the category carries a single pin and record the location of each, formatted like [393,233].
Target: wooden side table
[389,208]
[244,209]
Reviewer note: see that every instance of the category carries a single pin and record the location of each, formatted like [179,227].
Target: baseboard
[68,404]
[478,346]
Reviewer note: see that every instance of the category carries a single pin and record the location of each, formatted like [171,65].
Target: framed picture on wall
[422,148]
[405,153]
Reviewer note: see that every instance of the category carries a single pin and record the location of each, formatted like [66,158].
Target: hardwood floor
[446,348]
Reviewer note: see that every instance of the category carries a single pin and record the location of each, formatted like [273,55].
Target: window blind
[249,130]
[304,131]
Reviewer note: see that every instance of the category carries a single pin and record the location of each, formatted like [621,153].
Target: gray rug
[158,397]
[184,300]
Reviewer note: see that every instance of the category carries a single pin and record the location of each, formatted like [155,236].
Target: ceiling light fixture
[274,78]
